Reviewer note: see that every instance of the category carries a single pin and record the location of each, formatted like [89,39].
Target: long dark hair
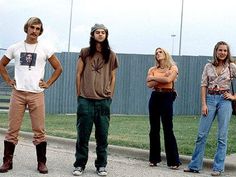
[105,47]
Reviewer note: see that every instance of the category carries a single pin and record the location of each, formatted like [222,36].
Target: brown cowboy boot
[8,156]
[41,157]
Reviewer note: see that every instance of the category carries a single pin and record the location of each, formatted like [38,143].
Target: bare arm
[3,63]
[230,96]
[80,68]
[113,80]
[169,77]
[149,81]
[203,98]
[55,63]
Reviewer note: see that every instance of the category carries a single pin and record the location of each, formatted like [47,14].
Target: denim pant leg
[203,131]
[84,128]
[224,115]
[102,119]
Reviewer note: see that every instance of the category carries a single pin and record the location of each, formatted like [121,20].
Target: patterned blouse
[212,80]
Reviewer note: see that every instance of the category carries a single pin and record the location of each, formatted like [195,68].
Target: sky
[135,26]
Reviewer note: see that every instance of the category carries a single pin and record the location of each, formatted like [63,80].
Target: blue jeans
[217,105]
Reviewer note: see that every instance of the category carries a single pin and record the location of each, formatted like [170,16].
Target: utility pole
[173,39]
[181,24]
[71,8]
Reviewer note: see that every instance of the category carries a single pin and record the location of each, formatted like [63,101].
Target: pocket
[82,107]
[174,95]
[105,107]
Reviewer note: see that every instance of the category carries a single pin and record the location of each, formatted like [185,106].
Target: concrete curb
[134,153]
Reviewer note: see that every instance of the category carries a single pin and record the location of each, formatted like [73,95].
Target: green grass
[4,96]
[132,131]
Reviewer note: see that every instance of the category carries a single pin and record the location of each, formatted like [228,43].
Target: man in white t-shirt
[28,85]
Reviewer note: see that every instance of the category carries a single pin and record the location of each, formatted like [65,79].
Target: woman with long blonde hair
[160,79]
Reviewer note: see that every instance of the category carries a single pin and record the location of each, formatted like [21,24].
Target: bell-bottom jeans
[161,110]
[221,109]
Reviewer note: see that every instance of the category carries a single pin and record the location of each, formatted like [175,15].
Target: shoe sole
[191,171]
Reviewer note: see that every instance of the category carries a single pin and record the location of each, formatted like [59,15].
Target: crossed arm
[169,76]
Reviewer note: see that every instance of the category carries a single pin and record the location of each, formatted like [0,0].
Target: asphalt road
[60,155]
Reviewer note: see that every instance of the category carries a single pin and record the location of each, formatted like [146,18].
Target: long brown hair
[229,59]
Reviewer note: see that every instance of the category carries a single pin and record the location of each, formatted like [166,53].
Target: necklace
[161,67]
[30,56]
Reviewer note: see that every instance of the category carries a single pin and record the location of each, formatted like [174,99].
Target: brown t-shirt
[96,76]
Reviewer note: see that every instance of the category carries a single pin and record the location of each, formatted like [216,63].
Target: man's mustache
[33,34]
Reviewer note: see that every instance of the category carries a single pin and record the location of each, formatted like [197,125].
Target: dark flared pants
[91,112]
[161,110]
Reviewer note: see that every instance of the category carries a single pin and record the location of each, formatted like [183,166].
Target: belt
[163,90]
[217,92]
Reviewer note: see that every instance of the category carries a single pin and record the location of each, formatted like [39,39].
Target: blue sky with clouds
[135,26]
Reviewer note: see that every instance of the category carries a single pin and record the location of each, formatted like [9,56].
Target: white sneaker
[78,171]
[101,171]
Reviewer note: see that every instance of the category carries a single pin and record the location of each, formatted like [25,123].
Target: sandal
[191,170]
[153,164]
[176,167]
[216,173]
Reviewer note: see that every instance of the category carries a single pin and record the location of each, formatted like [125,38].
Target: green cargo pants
[89,112]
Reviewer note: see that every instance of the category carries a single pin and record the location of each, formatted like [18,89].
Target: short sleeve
[10,52]
[204,81]
[48,48]
[115,62]
[233,69]
[84,52]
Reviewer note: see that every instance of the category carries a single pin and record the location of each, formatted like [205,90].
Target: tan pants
[20,100]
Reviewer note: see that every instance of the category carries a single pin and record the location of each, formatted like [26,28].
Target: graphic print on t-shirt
[28,59]
[97,65]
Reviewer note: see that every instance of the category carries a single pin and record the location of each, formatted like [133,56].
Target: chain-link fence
[2,51]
